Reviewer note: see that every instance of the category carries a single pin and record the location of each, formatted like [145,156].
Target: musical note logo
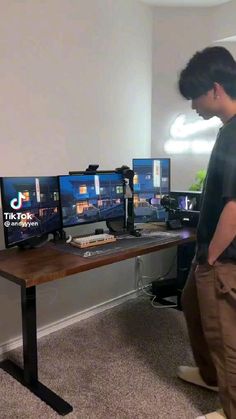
[16,203]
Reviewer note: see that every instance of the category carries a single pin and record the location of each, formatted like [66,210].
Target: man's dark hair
[211,65]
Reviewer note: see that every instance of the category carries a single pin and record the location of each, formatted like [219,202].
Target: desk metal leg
[185,254]
[29,330]
[28,376]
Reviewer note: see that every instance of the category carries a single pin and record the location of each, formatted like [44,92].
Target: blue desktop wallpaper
[91,198]
[150,184]
[143,169]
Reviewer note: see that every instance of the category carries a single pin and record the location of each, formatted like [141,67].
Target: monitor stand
[116,226]
[34,242]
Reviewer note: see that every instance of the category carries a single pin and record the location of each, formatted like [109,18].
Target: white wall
[223,18]
[75,82]
[177,34]
[224,26]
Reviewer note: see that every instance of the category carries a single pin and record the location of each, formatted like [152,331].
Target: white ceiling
[188,3]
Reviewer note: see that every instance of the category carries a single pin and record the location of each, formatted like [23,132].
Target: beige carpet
[120,364]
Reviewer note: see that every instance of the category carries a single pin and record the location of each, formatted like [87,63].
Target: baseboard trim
[67,321]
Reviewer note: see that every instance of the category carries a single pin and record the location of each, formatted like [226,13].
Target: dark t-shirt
[219,187]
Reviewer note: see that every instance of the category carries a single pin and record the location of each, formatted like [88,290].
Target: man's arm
[225,232]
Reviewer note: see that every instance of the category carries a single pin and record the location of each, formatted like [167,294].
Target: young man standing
[209,297]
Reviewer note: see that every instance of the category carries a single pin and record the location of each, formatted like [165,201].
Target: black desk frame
[28,376]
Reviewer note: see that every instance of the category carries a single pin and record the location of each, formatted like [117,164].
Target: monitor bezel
[26,241]
[88,173]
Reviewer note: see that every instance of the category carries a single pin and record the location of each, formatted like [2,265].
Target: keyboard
[95,240]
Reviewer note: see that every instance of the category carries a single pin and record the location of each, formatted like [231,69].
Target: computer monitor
[151,182]
[30,208]
[187,200]
[90,198]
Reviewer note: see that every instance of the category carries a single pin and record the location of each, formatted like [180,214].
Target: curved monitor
[89,198]
[30,208]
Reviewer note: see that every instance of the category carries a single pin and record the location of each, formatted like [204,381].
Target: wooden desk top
[37,266]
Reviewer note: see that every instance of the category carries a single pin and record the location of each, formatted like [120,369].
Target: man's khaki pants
[209,305]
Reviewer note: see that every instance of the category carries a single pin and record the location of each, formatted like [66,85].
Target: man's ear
[217,90]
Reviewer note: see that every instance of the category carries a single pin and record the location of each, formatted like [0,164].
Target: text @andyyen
[19,220]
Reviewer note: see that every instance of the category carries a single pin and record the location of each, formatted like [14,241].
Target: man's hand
[224,234]
[211,261]
[211,255]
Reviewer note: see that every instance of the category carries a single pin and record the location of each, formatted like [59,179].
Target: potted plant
[199,181]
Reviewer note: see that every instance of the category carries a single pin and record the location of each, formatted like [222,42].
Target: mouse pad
[123,242]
